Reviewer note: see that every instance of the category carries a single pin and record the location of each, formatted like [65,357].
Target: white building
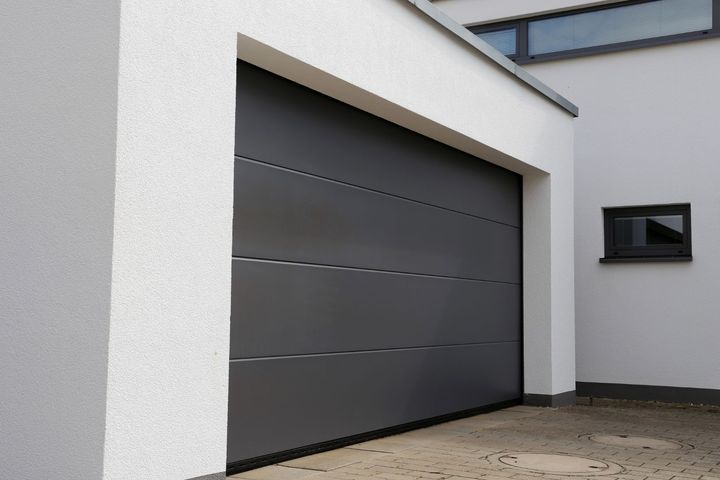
[643,74]
[381,202]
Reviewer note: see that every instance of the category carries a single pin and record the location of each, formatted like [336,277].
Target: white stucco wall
[118,202]
[170,309]
[648,135]
[58,99]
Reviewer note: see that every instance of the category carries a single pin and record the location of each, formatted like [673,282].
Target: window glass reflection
[620,24]
[643,231]
[503,40]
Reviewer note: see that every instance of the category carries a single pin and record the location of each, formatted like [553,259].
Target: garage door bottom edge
[264,460]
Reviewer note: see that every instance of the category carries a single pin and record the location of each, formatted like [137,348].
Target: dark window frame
[652,253]
[522,55]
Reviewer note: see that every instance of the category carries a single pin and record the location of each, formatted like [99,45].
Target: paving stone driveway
[459,450]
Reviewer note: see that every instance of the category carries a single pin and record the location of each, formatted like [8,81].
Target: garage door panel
[285,309]
[376,275]
[305,130]
[281,403]
[284,215]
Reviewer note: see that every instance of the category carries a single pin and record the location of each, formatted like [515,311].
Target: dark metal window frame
[522,55]
[655,253]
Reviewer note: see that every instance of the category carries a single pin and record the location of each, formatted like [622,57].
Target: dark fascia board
[491,53]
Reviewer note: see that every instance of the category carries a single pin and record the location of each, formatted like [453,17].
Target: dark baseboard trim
[211,476]
[257,462]
[558,400]
[651,393]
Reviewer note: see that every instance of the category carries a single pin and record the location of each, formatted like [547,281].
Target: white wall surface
[473,12]
[125,141]
[58,106]
[170,315]
[647,135]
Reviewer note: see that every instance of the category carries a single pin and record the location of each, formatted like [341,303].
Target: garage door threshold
[357,443]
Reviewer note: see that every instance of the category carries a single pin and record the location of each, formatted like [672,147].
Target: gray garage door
[376,274]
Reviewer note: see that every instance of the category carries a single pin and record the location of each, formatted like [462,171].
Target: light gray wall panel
[283,403]
[287,309]
[284,215]
[283,123]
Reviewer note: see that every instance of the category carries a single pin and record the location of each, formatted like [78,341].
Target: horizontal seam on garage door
[373,270]
[378,350]
[379,192]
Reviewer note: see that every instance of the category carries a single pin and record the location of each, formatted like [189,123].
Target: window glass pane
[503,40]
[643,231]
[551,35]
[685,16]
[620,24]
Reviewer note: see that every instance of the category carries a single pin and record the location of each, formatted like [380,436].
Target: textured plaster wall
[170,315]
[58,99]
[117,122]
[648,135]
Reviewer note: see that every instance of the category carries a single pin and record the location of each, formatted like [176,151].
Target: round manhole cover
[634,441]
[559,464]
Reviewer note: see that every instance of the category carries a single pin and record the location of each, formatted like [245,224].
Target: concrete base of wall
[211,476]
[652,393]
[558,400]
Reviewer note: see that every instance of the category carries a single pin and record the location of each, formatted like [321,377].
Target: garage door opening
[376,277]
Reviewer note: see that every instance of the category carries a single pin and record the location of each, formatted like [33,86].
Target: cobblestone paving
[459,450]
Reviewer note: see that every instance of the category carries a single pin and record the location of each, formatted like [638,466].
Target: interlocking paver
[458,450]
[332,460]
[275,472]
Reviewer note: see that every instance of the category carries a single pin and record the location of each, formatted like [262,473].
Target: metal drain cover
[555,463]
[633,441]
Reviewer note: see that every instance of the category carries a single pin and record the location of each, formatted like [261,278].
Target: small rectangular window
[504,40]
[649,232]
[602,28]
[617,25]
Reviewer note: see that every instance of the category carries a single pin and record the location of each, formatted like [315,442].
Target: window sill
[644,259]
